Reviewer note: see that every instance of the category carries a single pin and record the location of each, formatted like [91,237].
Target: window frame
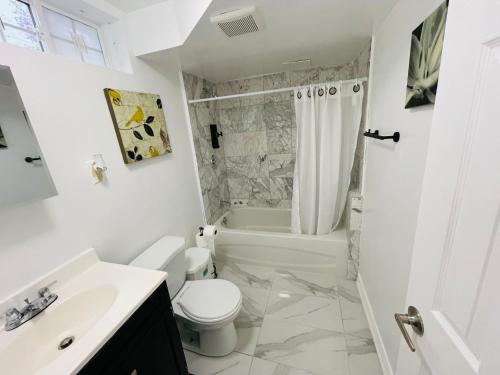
[73,17]
[34,18]
[43,33]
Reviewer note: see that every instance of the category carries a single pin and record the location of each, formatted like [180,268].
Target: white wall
[136,205]
[393,172]
[188,13]
[154,28]
[163,26]
[20,181]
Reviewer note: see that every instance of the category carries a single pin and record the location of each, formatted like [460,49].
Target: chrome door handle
[413,319]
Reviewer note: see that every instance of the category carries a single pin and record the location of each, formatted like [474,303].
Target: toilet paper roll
[206,239]
[210,231]
[201,241]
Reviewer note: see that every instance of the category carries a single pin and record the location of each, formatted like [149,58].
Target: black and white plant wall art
[425,59]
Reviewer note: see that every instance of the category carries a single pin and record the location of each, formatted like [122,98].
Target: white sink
[70,318]
[93,302]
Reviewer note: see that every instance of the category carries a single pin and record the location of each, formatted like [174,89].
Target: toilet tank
[166,254]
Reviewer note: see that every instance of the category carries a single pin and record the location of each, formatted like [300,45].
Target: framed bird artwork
[139,123]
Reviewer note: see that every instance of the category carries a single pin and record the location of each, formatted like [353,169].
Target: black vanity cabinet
[147,344]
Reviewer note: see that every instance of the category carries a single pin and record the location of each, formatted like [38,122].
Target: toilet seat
[209,301]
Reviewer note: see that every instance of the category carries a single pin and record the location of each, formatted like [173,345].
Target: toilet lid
[210,300]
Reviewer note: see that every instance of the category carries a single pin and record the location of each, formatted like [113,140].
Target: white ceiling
[131,5]
[328,32]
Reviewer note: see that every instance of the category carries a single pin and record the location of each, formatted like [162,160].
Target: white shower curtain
[328,119]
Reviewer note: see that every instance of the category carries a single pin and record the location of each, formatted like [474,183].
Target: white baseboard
[377,338]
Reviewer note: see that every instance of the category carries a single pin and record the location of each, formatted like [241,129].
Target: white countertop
[108,295]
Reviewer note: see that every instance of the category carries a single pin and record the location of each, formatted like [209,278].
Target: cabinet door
[148,343]
[151,354]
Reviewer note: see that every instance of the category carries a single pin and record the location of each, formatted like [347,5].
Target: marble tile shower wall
[361,68]
[257,156]
[259,133]
[354,227]
[258,143]
[213,178]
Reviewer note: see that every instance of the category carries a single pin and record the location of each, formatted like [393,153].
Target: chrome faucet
[14,317]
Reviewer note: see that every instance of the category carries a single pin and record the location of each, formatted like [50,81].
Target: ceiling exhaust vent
[237,22]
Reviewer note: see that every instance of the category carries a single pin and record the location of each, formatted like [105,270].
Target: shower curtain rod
[274,91]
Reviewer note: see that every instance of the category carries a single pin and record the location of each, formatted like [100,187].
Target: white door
[455,276]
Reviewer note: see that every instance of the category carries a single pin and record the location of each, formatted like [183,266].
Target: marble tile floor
[294,323]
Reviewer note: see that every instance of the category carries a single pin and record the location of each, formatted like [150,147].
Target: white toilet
[204,308]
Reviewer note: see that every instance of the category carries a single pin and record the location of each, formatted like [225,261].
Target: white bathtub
[262,236]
